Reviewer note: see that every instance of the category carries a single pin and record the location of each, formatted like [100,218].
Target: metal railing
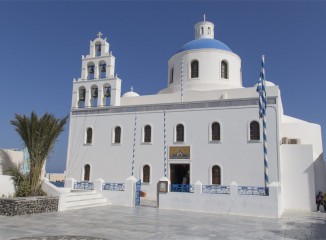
[182,188]
[216,189]
[113,186]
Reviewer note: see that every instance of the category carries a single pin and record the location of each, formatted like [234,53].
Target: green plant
[39,136]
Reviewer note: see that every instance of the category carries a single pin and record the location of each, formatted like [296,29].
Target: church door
[180,173]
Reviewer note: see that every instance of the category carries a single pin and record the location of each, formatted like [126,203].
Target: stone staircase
[144,202]
[78,199]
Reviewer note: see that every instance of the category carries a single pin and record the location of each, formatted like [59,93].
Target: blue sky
[41,44]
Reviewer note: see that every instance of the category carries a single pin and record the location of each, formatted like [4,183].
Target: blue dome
[204,43]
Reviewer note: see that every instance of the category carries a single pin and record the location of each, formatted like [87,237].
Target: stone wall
[30,205]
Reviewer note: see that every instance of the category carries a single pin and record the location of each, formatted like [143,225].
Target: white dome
[130,94]
[268,84]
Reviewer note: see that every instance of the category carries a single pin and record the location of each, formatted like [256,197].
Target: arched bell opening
[106,95]
[90,70]
[94,98]
[98,49]
[81,97]
[102,68]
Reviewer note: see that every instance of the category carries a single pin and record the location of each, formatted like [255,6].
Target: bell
[107,91]
[91,69]
[82,94]
[103,68]
[94,92]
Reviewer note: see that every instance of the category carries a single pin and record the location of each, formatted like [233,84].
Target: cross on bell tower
[99,34]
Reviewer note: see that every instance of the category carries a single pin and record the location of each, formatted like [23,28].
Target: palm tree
[39,136]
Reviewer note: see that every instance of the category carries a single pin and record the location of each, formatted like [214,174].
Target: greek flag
[261,89]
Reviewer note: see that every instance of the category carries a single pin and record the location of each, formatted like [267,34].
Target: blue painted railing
[247,190]
[216,189]
[182,188]
[113,186]
[58,184]
[84,185]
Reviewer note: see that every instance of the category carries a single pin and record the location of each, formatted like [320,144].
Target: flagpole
[261,89]
[181,87]
[165,148]
[134,147]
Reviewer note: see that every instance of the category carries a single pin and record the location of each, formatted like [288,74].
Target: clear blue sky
[41,44]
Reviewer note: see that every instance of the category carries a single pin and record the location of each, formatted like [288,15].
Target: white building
[204,126]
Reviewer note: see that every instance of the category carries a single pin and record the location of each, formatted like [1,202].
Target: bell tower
[97,86]
[204,29]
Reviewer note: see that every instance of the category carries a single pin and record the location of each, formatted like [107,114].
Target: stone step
[88,206]
[148,202]
[85,202]
[79,197]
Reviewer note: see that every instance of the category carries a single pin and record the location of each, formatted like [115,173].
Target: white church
[202,131]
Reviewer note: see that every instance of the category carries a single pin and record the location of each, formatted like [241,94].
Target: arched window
[87,170]
[146,174]
[106,95]
[117,135]
[171,75]
[90,70]
[180,133]
[216,131]
[147,134]
[209,30]
[224,70]
[194,69]
[216,175]
[82,97]
[254,131]
[89,135]
[202,30]
[98,49]
[102,70]
[94,98]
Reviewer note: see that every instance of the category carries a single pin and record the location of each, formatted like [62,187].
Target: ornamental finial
[131,89]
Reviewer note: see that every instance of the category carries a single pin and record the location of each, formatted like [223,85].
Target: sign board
[179,152]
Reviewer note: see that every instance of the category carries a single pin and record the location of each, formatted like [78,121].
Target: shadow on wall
[5,162]
[320,174]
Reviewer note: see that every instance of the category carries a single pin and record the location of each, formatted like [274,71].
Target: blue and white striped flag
[261,89]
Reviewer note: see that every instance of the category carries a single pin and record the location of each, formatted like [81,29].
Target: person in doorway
[320,201]
[184,179]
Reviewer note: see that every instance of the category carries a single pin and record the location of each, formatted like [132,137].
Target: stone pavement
[111,222]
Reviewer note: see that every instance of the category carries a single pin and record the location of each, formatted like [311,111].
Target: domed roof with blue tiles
[204,43]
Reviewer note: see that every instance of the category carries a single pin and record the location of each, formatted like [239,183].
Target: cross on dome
[204,18]
[99,34]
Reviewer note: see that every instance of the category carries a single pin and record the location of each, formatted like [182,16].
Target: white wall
[308,133]
[249,205]
[240,159]
[6,186]
[298,179]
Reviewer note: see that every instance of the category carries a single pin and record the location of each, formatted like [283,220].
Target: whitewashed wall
[240,160]
[249,205]
[298,179]
[6,186]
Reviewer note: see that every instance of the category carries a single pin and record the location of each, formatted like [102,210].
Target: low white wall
[298,177]
[119,198]
[249,205]
[53,191]
[6,186]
